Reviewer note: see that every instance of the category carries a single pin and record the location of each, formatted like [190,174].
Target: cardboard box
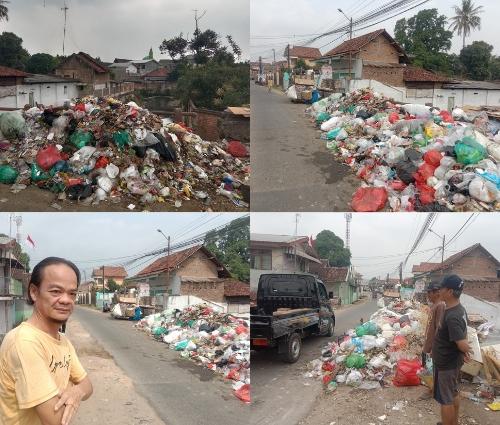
[472,368]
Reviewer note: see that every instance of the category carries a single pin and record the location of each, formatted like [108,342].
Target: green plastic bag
[469,151]
[81,138]
[37,174]
[368,328]
[332,134]
[8,175]
[121,139]
[160,330]
[12,125]
[181,345]
[322,117]
[355,361]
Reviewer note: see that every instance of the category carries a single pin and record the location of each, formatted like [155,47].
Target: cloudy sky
[379,242]
[274,24]
[93,239]
[121,28]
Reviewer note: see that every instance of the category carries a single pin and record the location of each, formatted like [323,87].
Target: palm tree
[4,11]
[466,19]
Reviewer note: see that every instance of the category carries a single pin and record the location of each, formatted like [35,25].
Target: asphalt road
[180,391]
[280,393]
[291,168]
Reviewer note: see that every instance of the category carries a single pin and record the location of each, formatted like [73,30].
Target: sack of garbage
[407,373]
[12,125]
[368,199]
[483,190]
[417,109]
[47,157]
[469,151]
[354,378]
[355,361]
[292,93]
[367,328]
[8,174]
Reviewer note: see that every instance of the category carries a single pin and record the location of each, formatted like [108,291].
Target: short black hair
[37,273]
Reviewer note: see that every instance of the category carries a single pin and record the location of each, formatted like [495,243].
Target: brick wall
[198,266]
[74,68]
[207,124]
[488,291]
[386,75]
[234,127]
[380,50]
[212,291]
[476,263]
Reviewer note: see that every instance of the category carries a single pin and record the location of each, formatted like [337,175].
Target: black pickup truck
[289,307]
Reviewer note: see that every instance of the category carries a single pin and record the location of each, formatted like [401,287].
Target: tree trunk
[463,46]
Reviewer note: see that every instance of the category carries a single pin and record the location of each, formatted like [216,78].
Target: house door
[451,103]
[31,99]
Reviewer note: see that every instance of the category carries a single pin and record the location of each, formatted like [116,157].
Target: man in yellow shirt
[41,379]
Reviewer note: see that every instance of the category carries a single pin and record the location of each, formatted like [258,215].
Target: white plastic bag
[354,378]
[483,190]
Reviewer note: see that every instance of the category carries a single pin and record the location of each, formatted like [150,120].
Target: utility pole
[443,238]
[295,242]
[260,69]
[102,288]
[168,255]
[198,18]
[65,9]
[274,65]
[288,54]
[350,51]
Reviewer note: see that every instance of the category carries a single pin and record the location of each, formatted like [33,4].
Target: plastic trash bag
[121,139]
[354,378]
[12,125]
[406,171]
[47,157]
[37,174]
[407,373]
[105,183]
[243,393]
[181,345]
[112,171]
[494,150]
[322,117]
[367,328]
[332,134]
[367,199]
[237,149]
[483,190]
[81,138]
[469,151]
[79,191]
[355,361]
[417,109]
[8,174]
[433,157]
[330,124]
[292,93]
[395,155]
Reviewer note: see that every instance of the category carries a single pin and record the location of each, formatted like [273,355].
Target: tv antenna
[198,18]
[65,10]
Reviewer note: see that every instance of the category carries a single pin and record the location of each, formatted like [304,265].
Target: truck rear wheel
[292,349]
[331,328]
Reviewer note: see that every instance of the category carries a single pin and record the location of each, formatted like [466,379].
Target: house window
[65,89]
[261,259]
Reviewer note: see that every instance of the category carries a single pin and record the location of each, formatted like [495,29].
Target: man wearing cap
[437,308]
[449,349]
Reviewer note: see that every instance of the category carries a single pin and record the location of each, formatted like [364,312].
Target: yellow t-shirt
[34,367]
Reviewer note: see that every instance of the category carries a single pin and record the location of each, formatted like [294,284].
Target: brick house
[118,274]
[308,54]
[479,269]
[339,281]
[192,271]
[375,55]
[83,67]
[280,254]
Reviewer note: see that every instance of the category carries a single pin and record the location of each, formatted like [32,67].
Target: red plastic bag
[367,199]
[233,374]
[393,117]
[398,343]
[243,393]
[365,172]
[406,373]
[327,379]
[426,194]
[446,116]
[433,158]
[397,185]
[80,107]
[328,366]
[424,172]
[47,157]
[241,329]
[237,149]
[101,162]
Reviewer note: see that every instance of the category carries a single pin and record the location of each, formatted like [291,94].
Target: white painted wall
[280,263]
[489,311]
[53,94]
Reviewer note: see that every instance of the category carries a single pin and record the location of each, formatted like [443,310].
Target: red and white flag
[31,241]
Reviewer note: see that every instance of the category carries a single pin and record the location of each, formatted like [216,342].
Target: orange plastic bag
[407,373]
[243,393]
[367,199]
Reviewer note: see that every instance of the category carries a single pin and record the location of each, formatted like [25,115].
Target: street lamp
[350,54]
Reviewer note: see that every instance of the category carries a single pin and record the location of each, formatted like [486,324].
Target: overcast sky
[94,239]
[121,28]
[374,236]
[285,18]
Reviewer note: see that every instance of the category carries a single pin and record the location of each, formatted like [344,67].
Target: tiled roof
[160,72]
[305,52]
[90,61]
[280,239]
[235,288]
[110,271]
[11,72]
[423,267]
[333,274]
[357,43]
[413,73]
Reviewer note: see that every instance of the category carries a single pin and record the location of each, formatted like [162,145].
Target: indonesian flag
[31,241]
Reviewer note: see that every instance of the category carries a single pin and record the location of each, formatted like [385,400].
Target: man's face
[445,294]
[55,297]
[434,296]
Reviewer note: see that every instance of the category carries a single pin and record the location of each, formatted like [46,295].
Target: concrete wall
[280,263]
[489,311]
[53,94]
[380,50]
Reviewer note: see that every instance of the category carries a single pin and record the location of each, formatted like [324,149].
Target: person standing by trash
[269,84]
[436,312]
[450,349]
[41,378]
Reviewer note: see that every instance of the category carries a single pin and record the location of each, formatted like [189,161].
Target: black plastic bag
[79,191]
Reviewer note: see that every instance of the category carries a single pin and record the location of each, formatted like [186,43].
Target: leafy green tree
[330,246]
[41,63]
[476,59]
[425,39]
[12,53]
[175,47]
[495,68]
[466,19]
[230,245]
[112,285]
[204,45]
[236,49]
[4,10]
[150,54]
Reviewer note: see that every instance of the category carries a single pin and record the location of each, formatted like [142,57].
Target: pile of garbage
[366,357]
[412,157]
[217,341]
[97,149]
